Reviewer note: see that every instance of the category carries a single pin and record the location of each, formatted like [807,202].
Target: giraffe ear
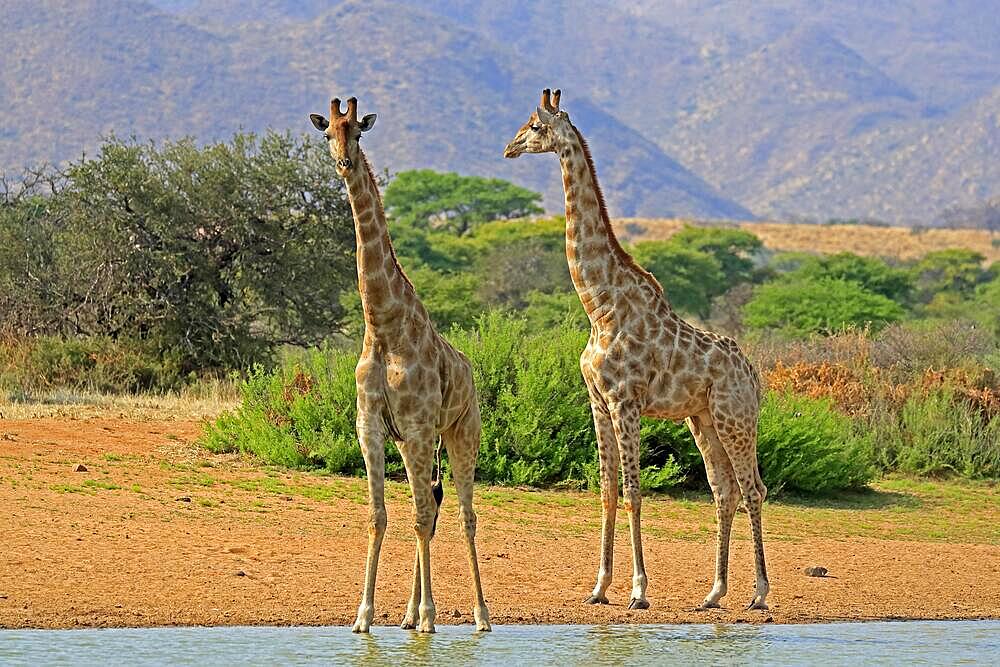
[544,115]
[319,122]
[368,122]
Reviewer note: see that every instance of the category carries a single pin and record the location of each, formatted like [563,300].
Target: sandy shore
[159,532]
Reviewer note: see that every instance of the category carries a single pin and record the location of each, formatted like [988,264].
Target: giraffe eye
[536,128]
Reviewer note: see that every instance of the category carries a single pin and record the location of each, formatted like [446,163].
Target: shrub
[911,347]
[94,364]
[211,255]
[537,427]
[301,415]
[690,278]
[537,423]
[801,307]
[805,446]
[936,434]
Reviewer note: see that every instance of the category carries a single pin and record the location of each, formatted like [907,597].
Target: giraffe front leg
[625,419]
[413,607]
[418,458]
[607,449]
[373,449]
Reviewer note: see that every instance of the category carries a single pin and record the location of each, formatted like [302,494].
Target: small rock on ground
[816,571]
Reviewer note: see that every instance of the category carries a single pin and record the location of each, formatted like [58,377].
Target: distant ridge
[729,109]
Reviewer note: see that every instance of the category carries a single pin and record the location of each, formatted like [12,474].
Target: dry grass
[898,242]
[193,404]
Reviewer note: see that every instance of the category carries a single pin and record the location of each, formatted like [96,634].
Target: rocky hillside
[728,109]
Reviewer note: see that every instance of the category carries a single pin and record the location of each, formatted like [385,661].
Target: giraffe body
[412,387]
[642,359]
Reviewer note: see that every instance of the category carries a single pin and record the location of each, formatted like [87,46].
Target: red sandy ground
[75,553]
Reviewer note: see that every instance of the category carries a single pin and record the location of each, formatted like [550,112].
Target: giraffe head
[547,130]
[343,133]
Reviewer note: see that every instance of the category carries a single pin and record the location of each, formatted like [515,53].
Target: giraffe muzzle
[513,149]
[345,163]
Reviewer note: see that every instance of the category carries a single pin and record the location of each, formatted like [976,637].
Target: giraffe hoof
[595,599]
[706,605]
[757,604]
[408,624]
[638,603]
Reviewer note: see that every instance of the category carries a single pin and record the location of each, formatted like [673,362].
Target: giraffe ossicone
[413,386]
[642,359]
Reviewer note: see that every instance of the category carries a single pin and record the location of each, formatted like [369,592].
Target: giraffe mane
[616,246]
[380,210]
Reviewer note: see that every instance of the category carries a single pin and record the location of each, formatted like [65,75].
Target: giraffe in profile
[643,359]
[412,385]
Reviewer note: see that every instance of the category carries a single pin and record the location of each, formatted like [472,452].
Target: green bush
[806,446]
[871,273]
[802,307]
[537,424]
[537,427]
[93,364]
[301,415]
[690,278]
[938,434]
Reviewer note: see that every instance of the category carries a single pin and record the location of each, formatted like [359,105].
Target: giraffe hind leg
[418,458]
[462,442]
[726,493]
[739,438]
[412,616]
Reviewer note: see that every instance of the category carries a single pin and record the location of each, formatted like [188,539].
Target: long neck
[386,292]
[600,268]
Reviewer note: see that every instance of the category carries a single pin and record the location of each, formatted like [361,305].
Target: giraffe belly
[676,400]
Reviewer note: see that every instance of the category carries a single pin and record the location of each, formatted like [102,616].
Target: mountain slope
[71,71]
[444,93]
[908,174]
[767,118]
[875,109]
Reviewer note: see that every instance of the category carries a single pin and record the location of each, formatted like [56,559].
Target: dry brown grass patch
[899,242]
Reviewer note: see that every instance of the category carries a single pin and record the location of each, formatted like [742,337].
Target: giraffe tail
[437,487]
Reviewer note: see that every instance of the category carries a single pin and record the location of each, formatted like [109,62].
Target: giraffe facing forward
[642,359]
[412,385]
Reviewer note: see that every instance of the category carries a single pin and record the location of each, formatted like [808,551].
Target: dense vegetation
[204,258]
[147,267]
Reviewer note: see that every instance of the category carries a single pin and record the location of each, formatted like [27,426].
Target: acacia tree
[214,254]
[429,199]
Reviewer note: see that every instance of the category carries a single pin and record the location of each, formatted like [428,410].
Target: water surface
[910,642]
